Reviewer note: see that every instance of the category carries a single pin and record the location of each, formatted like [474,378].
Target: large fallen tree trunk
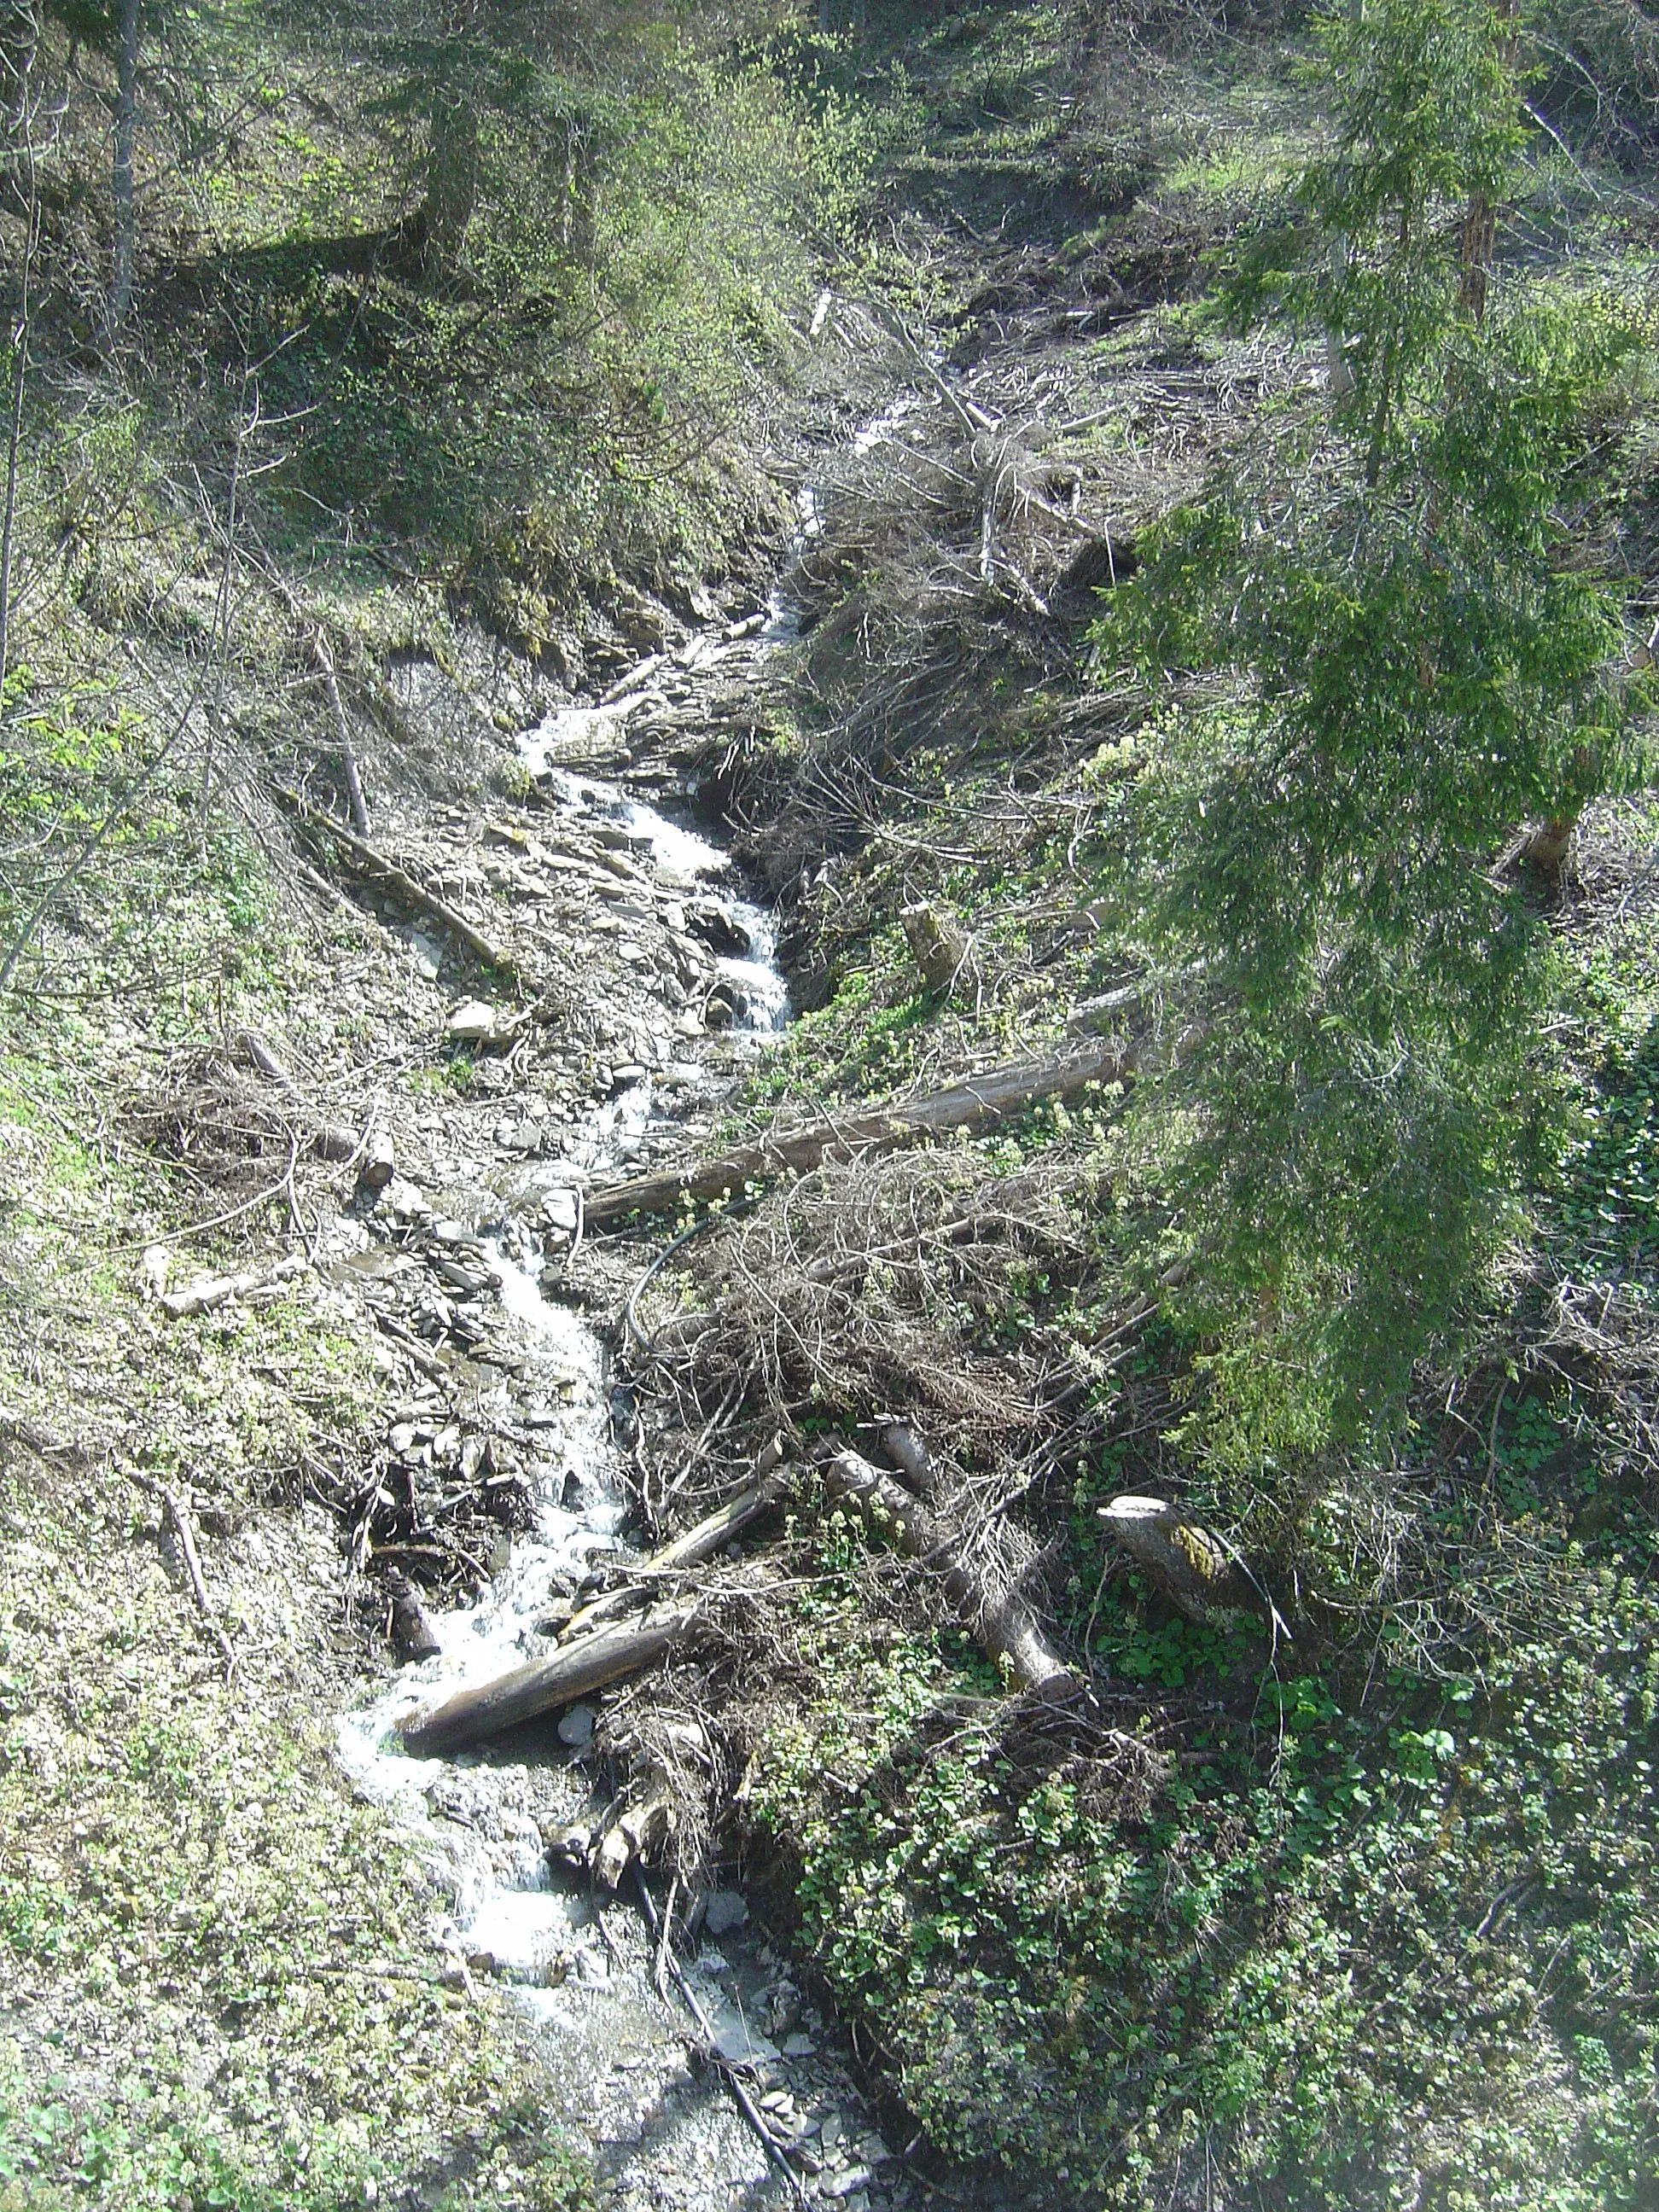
[593,1654]
[572,1672]
[1004,1624]
[998,1094]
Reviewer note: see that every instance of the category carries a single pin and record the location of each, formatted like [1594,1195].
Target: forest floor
[1365,1918]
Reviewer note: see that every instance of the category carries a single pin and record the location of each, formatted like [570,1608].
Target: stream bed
[626,2064]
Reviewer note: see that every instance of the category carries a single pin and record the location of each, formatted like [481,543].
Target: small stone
[798,2047]
[576,1729]
[572,1847]
[474,1022]
[402,1199]
[846,2183]
[558,1213]
[726,1908]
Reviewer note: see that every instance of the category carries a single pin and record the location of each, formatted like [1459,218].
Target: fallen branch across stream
[604,1656]
[995,1096]
[598,1648]
[603,1650]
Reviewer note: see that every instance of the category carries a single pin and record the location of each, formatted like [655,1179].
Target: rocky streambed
[655,983]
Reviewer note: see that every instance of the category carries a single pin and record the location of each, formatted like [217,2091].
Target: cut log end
[1185,1564]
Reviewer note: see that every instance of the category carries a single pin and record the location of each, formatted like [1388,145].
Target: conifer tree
[1370,665]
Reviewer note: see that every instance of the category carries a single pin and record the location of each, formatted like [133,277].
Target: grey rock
[557,1213]
[576,1729]
[474,1021]
[403,1201]
[726,1908]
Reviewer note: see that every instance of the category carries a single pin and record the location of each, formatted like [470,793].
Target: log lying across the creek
[1003,1624]
[597,1647]
[606,1656]
[995,1096]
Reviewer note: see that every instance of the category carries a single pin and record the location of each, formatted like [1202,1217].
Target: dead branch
[322,658]
[185,1531]
[387,873]
[208,1292]
[709,1537]
[745,2102]
[1005,1626]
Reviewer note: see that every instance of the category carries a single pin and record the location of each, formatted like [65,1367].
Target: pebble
[576,1729]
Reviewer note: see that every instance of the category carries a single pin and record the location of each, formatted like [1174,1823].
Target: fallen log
[907,1453]
[380,869]
[257,1046]
[996,1096]
[571,1672]
[1005,1626]
[689,1550]
[208,1292]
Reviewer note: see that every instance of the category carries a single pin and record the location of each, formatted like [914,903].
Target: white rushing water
[477,1824]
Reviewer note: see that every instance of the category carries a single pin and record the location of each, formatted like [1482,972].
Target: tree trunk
[472,1715]
[1187,1564]
[998,1094]
[121,184]
[20,33]
[1480,234]
[1480,218]
[452,179]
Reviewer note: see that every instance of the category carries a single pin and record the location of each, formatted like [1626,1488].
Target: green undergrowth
[1361,1916]
[1370,1938]
[217,1987]
[216,1984]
